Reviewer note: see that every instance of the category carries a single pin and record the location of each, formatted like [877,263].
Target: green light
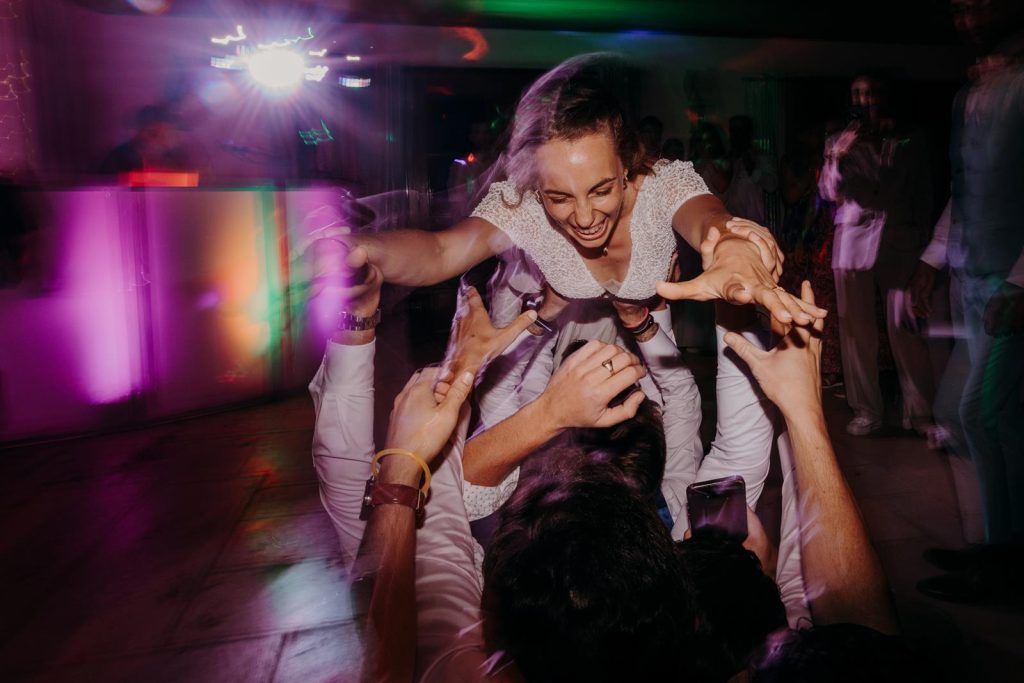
[573,9]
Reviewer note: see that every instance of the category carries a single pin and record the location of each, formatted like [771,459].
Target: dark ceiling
[879,21]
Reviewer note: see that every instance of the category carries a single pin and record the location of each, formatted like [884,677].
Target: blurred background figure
[673,149]
[877,172]
[707,152]
[650,129]
[986,253]
[806,237]
[156,145]
[465,171]
[753,174]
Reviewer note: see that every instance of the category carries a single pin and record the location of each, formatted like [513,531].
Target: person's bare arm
[741,261]
[697,216]
[577,396]
[844,578]
[386,558]
[414,257]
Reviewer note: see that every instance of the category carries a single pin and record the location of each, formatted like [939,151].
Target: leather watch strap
[378,493]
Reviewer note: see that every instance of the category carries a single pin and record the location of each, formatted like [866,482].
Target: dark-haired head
[582,582]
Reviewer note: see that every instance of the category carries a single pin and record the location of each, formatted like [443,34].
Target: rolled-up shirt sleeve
[342,392]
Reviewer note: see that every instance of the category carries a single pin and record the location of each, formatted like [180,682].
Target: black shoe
[963,588]
[949,560]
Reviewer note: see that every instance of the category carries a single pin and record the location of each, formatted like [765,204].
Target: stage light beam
[278,70]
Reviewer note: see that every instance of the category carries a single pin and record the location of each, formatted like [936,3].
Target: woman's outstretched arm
[417,257]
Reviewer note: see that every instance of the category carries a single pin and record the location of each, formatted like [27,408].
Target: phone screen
[718,508]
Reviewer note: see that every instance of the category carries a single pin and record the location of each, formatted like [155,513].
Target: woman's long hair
[578,97]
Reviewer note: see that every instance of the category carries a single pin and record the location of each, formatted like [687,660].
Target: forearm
[492,454]
[417,258]
[408,257]
[386,563]
[844,578]
[697,216]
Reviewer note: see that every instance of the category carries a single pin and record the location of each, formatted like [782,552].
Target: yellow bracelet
[375,468]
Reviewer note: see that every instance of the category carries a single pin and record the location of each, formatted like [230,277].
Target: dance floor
[198,551]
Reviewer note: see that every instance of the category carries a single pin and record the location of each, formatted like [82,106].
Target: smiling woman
[576,192]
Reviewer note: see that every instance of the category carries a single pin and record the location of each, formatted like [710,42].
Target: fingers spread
[688,289]
[743,348]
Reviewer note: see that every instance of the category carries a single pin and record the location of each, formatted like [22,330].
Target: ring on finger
[609,366]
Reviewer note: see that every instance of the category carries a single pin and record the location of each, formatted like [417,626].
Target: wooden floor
[198,551]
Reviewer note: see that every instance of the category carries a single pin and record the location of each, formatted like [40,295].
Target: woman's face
[582,186]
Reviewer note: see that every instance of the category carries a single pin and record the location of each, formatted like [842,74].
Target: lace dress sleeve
[502,208]
[677,183]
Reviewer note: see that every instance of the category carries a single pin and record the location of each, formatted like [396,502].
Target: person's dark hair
[674,149]
[706,142]
[583,583]
[737,603]
[839,653]
[741,134]
[650,129]
[572,100]
[635,446]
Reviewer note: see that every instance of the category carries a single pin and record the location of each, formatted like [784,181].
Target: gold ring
[607,365]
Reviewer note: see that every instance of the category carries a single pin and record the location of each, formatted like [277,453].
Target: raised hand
[790,373]
[475,341]
[421,424]
[735,272]
[767,247]
[346,276]
[581,389]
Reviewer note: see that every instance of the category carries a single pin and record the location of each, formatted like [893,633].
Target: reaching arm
[577,396]
[697,216]
[415,257]
[844,578]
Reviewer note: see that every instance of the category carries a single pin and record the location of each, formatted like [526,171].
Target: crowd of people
[527,516]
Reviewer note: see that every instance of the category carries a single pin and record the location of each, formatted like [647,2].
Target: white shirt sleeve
[935,253]
[681,415]
[450,644]
[829,178]
[342,392]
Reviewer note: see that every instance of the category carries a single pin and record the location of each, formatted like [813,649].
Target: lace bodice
[662,193]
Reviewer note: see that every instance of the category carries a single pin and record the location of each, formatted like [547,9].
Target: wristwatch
[355,323]
[377,493]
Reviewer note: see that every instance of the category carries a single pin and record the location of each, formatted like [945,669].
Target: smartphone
[718,508]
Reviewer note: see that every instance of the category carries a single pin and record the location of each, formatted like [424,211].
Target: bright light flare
[279,70]
[352,82]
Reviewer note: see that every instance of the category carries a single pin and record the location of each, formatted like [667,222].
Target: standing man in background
[878,175]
